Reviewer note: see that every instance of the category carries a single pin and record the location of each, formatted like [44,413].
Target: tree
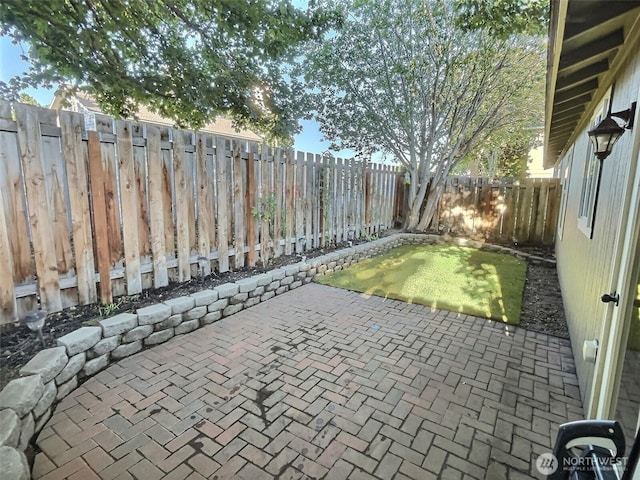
[28,99]
[188,60]
[402,79]
[504,17]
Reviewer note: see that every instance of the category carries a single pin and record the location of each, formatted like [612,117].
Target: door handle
[608,298]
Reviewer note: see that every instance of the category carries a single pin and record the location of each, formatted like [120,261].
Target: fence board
[250,219]
[78,185]
[182,208]
[238,207]
[130,206]
[29,140]
[289,203]
[100,217]
[168,199]
[267,201]
[156,209]
[279,180]
[223,213]
[204,207]
[310,198]
[8,304]
[12,195]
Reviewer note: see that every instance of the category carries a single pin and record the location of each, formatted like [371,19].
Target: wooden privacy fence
[503,210]
[89,215]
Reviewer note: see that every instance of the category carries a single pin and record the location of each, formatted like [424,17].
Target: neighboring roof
[586,47]
[221,126]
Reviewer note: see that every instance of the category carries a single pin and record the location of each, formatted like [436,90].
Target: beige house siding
[586,266]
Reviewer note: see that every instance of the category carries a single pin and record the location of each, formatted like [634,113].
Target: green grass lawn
[448,277]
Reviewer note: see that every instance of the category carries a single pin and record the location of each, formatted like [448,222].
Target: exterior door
[627,407]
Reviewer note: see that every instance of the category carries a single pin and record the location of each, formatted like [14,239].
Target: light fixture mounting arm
[627,115]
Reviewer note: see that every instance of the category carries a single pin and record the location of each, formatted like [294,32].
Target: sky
[309,140]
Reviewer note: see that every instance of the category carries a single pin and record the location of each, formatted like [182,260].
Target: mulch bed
[542,309]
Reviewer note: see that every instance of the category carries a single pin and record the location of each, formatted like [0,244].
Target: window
[590,180]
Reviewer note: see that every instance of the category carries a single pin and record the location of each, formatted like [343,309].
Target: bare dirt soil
[542,309]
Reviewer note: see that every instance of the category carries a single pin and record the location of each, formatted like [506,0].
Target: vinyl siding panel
[585,266]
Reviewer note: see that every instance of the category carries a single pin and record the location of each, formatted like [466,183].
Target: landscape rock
[46,400]
[138,333]
[278,274]
[74,365]
[204,297]
[172,321]
[153,314]
[46,363]
[180,304]
[231,309]
[126,349]
[118,325]
[14,464]
[267,296]
[159,337]
[239,298]
[227,290]
[27,429]
[9,428]
[95,365]
[40,422]
[107,345]
[218,305]
[67,387]
[247,285]
[187,327]
[80,340]
[22,394]
[211,317]
[263,279]
[251,302]
[257,292]
[291,270]
[194,313]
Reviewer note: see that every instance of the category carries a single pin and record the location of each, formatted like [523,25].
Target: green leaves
[504,17]
[402,78]
[188,60]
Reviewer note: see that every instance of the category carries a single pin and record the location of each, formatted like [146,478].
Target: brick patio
[321,383]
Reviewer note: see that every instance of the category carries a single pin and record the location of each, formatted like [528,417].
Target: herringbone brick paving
[321,383]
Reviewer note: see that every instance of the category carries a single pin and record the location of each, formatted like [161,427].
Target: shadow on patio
[321,383]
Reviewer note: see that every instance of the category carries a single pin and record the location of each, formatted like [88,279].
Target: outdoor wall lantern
[606,134]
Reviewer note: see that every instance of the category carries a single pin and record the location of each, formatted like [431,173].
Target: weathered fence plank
[29,140]
[78,185]
[156,209]
[204,207]
[250,219]
[129,205]
[100,217]
[182,208]
[238,208]
[223,225]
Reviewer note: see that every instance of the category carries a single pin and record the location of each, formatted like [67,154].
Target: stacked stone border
[26,403]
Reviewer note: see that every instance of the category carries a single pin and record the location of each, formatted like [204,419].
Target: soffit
[582,52]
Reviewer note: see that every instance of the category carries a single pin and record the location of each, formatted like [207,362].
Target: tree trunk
[416,197]
[431,207]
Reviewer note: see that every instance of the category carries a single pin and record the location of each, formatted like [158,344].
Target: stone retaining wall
[26,403]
